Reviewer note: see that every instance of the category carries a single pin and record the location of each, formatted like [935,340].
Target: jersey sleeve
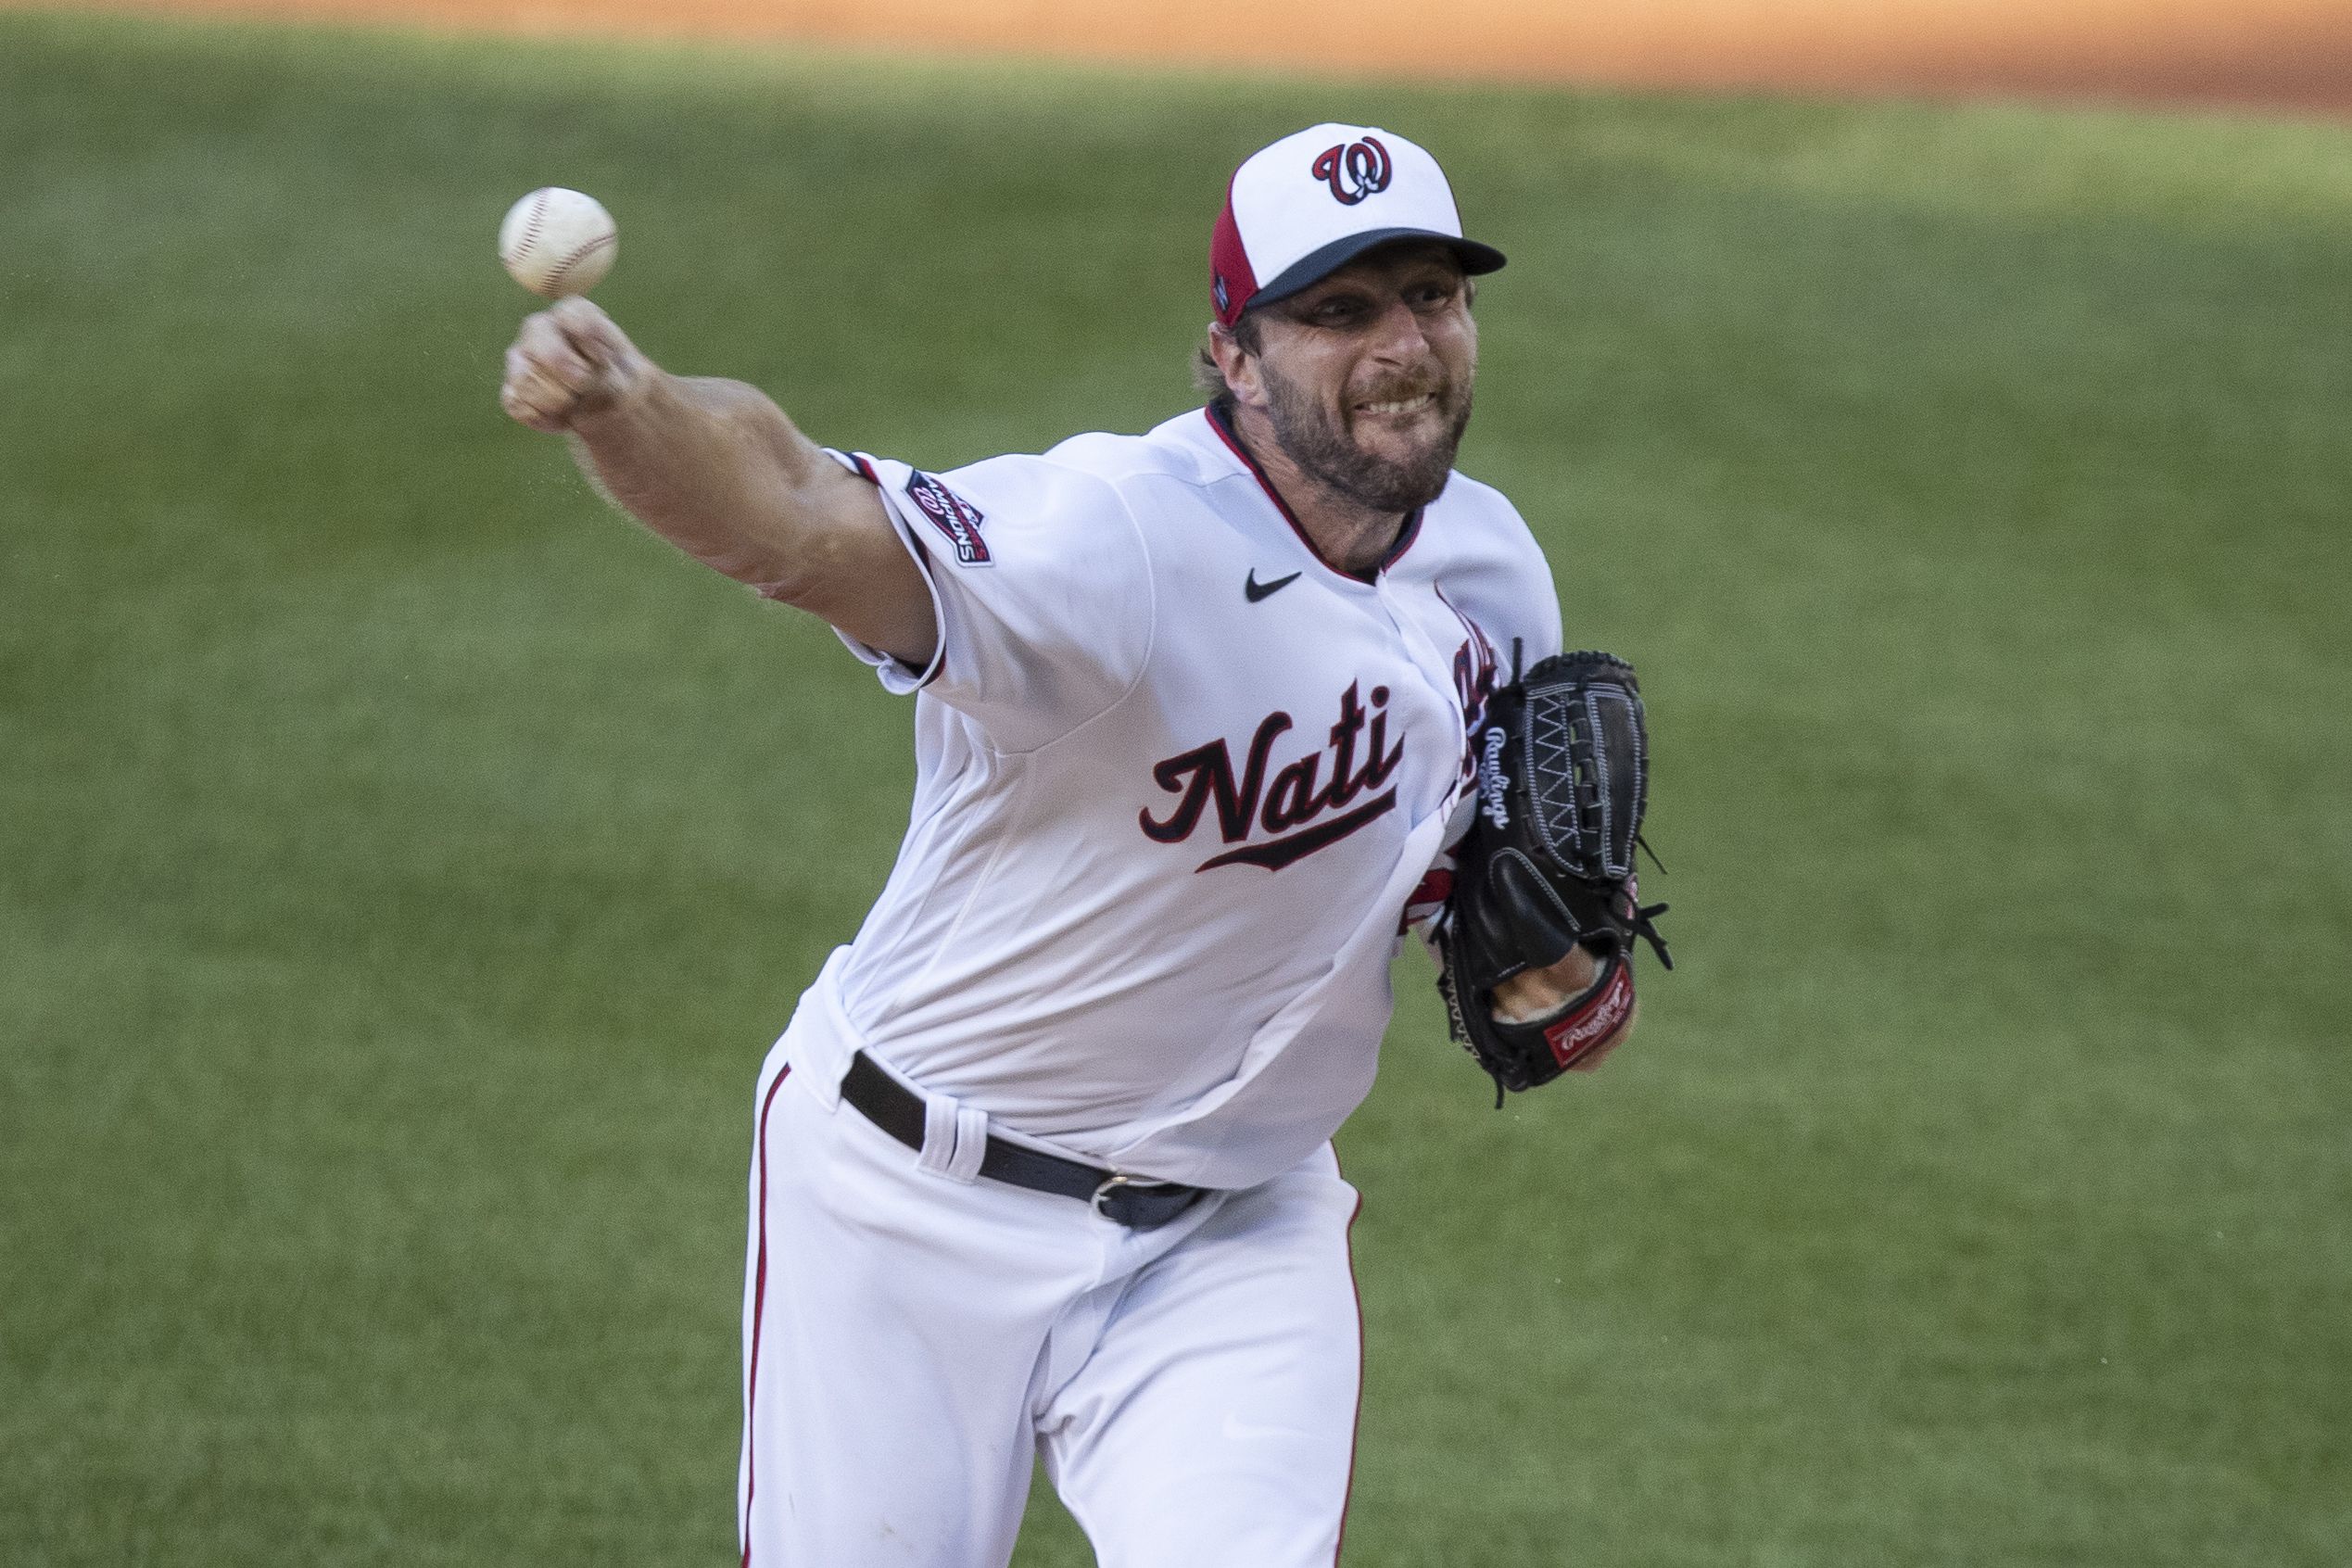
[1040,584]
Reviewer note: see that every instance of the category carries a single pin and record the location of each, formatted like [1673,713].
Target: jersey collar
[1223,428]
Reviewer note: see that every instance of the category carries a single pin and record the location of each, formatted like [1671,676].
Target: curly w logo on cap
[1356,170]
[1276,236]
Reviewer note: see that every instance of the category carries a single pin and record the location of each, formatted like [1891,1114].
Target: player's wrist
[632,402]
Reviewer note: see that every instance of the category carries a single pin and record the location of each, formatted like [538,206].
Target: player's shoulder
[1092,480]
[1177,448]
[1472,523]
[1023,499]
[1034,484]
[1477,552]
[1039,518]
[1477,500]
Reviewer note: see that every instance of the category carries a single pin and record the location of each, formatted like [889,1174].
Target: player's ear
[1236,361]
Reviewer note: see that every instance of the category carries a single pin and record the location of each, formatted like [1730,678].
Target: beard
[1317,440]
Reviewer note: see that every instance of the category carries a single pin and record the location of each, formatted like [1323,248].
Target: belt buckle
[1112,1184]
[1118,1182]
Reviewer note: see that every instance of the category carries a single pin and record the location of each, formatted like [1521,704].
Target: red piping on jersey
[1405,536]
[759,1303]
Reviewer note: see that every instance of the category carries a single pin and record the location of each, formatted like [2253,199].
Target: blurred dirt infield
[2294,53]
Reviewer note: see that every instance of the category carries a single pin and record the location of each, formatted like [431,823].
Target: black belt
[1126,1200]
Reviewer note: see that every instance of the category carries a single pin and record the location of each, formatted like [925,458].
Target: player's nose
[1399,336]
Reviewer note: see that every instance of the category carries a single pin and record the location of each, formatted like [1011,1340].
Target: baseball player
[1042,1164]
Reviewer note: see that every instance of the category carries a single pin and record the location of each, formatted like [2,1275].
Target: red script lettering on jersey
[1295,799]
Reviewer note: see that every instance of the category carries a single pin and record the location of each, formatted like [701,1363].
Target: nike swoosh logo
[1255,590]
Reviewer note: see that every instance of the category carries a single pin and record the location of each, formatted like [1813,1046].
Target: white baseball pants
[911,1343]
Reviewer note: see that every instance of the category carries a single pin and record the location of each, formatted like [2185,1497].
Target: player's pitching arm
[719,471]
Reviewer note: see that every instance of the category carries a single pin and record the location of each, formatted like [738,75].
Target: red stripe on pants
[759,1300]
[1355,1430]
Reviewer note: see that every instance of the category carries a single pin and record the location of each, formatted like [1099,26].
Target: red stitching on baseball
[578,256]
[531,227]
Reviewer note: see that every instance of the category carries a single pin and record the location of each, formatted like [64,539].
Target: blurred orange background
[2295,53]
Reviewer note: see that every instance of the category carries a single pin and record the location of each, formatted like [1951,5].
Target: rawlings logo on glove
[1548,867]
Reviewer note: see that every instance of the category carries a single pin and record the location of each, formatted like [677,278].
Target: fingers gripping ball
[556,242]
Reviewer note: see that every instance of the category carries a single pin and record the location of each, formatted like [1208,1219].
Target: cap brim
[1317,265]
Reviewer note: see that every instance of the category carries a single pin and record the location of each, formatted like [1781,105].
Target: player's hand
[569,363]
[1534,993]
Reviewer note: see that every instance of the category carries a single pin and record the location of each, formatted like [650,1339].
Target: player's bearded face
[1396,465]
[1368,384]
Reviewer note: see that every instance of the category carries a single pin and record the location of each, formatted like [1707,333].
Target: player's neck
[1354,537]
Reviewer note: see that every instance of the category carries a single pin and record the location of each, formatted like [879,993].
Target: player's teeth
[1403,406]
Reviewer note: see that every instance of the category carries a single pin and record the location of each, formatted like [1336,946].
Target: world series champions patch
[952,515]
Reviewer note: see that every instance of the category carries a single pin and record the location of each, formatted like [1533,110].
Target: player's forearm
[718,470]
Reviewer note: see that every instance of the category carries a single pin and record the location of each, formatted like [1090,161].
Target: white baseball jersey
[1178,778]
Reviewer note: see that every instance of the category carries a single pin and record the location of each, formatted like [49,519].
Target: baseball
[556,242]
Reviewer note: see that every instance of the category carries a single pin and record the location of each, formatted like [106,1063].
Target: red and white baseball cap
[1302,209]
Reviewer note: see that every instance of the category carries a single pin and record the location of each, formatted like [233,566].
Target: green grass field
[404,863]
